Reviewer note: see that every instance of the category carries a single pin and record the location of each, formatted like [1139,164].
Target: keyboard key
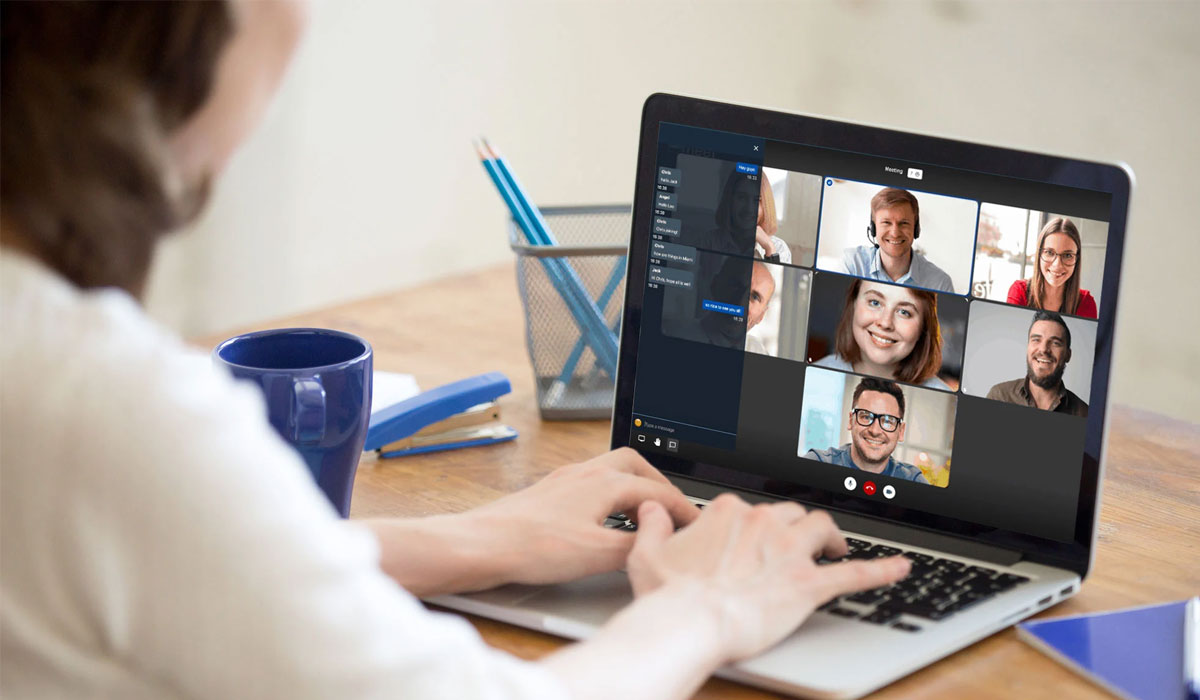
[874,552]
[934,589]
[860,554]
[870,597]
[881,616]
[927,612]
[964,602]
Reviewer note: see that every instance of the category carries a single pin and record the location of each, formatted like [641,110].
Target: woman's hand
[554,528]
[765,241]
[550,532]
[754,566]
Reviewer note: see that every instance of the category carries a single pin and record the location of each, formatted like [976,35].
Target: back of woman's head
[92,92]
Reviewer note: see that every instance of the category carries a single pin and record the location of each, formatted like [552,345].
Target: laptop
[911,332]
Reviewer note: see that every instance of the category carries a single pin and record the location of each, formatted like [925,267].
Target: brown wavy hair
[766,195]
[925,359]
[92,92]
[1037,285]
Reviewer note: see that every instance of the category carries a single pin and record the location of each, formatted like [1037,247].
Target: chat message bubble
[665,226]
[673,253]
[682,279]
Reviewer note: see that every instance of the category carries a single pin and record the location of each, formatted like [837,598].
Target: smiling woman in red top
[1055,283]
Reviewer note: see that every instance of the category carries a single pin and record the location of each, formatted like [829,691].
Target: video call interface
[915,335]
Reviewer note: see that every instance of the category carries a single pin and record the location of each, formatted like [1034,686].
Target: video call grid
[815,269]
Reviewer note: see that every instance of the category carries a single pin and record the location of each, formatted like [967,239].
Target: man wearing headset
[889,257]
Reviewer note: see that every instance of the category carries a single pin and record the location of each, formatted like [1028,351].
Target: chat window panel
[712,307]
[697,294]
[714,203]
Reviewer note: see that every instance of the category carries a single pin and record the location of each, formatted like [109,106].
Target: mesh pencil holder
[592,244]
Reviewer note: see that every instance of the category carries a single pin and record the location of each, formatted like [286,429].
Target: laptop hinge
[871,527]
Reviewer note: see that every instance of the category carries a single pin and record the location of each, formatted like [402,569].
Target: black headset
[871,229]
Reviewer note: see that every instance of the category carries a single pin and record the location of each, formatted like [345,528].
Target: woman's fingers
[817,535]
[833,580]
[788,512]
[628,460]
[632,491]
[654,526]
[646,558]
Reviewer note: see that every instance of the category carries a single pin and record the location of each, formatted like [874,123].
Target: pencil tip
[491,150]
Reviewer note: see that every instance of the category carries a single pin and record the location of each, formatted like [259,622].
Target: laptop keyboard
[934,590]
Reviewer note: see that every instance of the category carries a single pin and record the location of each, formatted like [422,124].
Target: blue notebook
[1133,653]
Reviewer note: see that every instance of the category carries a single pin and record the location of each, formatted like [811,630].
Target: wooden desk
[1149,549]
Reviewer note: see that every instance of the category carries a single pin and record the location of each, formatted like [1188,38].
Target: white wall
[363,180]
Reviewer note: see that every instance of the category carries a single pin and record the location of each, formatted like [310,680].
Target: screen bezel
[915,149]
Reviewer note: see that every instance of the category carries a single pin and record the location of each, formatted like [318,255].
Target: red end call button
[869,488]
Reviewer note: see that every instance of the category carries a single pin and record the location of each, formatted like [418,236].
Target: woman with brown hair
[160,540]
[1055,282]
[889,331]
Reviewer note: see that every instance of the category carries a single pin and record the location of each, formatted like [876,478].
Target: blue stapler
[459,414]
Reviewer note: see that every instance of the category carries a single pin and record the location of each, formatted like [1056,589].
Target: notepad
[391,388]
[1133,653]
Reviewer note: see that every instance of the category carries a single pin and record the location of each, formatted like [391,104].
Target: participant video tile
[889,234]
[876,426]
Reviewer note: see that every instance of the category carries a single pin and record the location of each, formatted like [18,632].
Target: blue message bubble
[723,308]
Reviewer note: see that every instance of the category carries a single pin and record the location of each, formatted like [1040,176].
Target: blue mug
[317,385]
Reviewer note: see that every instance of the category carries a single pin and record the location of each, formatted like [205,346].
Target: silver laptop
[910,332]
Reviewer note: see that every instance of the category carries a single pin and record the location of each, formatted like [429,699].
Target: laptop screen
[903,336]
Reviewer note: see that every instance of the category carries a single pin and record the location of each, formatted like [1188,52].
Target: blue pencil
[556,390]
[584,310]
[546,237]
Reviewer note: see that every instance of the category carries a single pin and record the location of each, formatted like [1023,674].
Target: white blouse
[157,539]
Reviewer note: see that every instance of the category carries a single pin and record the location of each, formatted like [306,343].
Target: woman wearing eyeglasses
[1055,283]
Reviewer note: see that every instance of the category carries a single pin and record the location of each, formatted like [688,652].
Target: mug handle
[308,410]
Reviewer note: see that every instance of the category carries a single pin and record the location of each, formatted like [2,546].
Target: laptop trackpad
[590,601]
[573,610]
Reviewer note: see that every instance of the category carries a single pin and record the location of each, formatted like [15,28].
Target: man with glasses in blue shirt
[876,427]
